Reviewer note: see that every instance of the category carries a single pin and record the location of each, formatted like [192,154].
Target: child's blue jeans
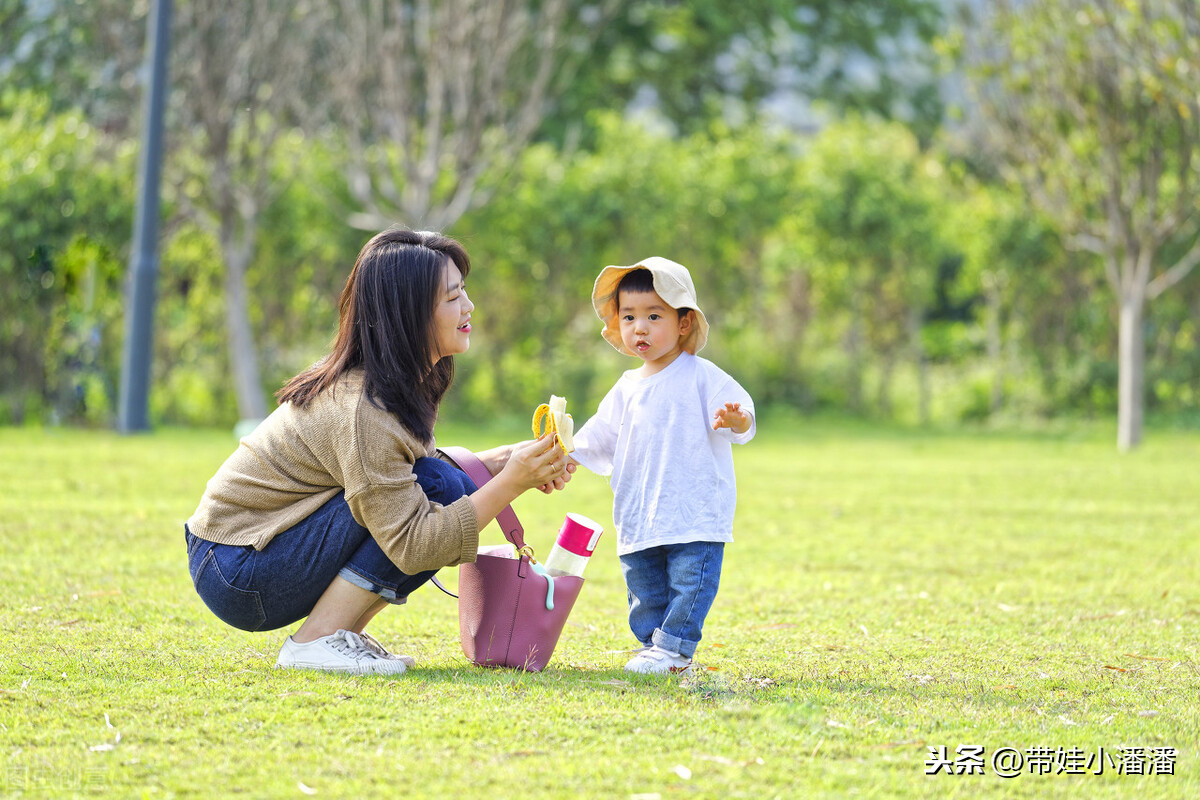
[260,590]
[671,588]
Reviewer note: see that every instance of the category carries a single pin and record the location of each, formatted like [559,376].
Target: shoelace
[373,644]
[351,644]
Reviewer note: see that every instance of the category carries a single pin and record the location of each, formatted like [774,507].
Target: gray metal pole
[143,258]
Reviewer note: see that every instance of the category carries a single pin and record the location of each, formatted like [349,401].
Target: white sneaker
[656,660]
[375,647]
[343,651]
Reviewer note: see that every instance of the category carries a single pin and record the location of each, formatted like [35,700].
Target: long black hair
[386,327]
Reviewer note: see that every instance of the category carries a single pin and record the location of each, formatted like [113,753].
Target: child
[664,434]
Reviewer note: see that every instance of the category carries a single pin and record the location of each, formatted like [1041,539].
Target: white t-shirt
[671,473]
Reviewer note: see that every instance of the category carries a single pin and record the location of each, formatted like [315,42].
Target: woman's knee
[442,482]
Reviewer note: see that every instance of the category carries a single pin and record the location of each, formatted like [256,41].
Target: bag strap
[469,463]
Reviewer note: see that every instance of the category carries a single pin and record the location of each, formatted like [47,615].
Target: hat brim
[672,283]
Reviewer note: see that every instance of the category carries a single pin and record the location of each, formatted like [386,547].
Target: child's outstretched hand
[732,417]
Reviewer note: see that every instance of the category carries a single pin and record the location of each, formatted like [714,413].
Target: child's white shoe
[656,661]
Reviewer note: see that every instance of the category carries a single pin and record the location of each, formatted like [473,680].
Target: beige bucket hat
[673,283]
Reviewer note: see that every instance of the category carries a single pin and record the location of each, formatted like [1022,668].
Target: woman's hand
[495,458]
[536,464]
[558,484]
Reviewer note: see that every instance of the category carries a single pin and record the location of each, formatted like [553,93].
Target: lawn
[896,602]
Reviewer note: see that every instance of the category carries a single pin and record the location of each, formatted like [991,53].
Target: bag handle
[469,463]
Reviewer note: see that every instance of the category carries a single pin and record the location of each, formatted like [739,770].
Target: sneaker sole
[343,670]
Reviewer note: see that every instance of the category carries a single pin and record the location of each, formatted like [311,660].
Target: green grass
[889,591]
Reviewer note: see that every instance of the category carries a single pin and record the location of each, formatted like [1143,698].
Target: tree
[1005,251]
[869,229]
[1092,105]
[431,95]
[243,78]
[81,54]
[66,211]
[705,60]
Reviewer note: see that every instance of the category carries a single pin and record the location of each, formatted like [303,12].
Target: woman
[338,503]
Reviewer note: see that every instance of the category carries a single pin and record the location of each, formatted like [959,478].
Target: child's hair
[642,280]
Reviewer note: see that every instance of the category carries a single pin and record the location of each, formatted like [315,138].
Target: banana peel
[553,418]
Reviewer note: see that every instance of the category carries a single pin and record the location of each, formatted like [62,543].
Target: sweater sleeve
[384,496]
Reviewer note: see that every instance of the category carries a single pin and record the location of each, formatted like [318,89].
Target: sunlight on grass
[888,592]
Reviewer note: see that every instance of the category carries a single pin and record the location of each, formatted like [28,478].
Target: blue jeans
[671,588]
[260,590]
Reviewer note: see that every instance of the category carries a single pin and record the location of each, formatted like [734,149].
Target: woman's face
[452,314]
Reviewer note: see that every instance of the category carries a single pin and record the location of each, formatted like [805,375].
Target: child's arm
[733,417]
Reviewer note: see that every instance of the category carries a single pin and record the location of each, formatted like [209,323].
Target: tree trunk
[995,348]
[1131,366]
[243,358]
[924,391]
[854,353]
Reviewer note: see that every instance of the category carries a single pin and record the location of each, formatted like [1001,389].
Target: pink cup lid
[579,534]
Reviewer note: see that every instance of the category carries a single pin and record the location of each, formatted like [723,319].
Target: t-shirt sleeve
[720,389]
[596,441]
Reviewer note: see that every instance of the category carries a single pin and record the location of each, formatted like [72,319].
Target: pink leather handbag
[510,614]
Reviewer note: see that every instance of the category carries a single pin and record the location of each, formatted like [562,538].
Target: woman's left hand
[497,457]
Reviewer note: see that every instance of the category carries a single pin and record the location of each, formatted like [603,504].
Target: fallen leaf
[682,771]
[1118,669]
[101,748]
[306,788]
[833,723]
[1146,658]
[1147,713]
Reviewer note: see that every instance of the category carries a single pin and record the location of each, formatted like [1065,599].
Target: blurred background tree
[857,242]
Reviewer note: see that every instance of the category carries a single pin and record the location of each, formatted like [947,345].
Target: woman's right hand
[531,464]
[535,463]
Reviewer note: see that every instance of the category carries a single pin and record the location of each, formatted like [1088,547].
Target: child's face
[651,329]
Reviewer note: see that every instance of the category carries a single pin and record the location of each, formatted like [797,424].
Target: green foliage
[887,592]
[853,269]
[870,227]
[709,61]
[66,213]
[707,201]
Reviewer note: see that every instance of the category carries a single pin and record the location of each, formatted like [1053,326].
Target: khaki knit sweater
[299,458]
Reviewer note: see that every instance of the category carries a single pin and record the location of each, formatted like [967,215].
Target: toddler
[664,435]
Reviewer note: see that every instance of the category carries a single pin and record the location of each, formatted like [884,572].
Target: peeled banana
[553,418]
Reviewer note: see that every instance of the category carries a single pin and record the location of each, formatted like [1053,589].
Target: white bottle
[576,542]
